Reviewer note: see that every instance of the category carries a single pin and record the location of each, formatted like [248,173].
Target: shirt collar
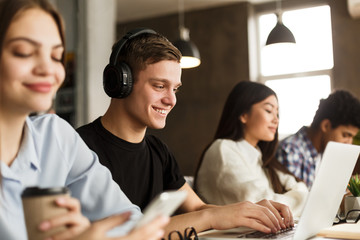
[303,134]
[254,152]
[27,156]
[30,148]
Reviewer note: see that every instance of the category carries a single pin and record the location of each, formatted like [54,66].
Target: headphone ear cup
[117,80]
[117,77]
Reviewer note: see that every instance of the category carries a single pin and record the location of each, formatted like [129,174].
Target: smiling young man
[337,119]
[142,164]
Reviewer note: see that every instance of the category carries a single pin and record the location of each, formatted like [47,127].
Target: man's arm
[265,216]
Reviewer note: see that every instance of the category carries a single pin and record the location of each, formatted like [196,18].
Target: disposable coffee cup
[39,205]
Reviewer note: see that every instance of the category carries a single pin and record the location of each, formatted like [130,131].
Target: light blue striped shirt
[53,154]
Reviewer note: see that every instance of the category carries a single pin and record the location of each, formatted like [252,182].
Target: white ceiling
[131,10]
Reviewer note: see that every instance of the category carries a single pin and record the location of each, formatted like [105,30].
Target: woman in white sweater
[240,164]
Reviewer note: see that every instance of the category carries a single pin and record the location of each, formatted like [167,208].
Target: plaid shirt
[299,155]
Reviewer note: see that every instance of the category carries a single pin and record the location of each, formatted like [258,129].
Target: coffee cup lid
[36,191]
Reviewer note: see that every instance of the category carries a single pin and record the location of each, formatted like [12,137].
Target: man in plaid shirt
[337,119]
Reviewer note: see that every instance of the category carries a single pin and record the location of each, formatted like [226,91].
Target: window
[300,74]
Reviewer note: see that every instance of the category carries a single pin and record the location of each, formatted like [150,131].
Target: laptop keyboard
[282,234]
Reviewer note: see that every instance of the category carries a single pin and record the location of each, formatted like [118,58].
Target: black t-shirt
[142,170]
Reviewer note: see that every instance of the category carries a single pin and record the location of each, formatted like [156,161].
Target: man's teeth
[161,111]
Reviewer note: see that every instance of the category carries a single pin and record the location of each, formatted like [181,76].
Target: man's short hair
[341,108]
[145,49]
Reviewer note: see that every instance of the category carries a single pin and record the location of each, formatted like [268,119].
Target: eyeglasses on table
[352,216]
[189,234]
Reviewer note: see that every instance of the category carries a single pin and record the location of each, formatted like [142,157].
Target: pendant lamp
[190,53]
[280,33]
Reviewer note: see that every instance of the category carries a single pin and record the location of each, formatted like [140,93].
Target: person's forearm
[200,220]
[207,206]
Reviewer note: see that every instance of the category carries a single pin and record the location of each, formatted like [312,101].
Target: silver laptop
[323,202]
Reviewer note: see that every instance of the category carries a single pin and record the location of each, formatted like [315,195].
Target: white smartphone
[164,204]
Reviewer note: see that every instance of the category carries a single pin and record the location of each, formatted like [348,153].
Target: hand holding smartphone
[164,204]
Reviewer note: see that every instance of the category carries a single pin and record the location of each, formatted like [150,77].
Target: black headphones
[117,76]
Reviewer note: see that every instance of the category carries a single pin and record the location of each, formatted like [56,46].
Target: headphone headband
[120,44]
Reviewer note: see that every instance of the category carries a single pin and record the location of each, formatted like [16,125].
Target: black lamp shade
[187,48]
[280,34]
[190,53]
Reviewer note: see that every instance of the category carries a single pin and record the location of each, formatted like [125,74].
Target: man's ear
[325,125]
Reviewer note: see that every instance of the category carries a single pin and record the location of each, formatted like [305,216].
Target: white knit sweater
[232,172]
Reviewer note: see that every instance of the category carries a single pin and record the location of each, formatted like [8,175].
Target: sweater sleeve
[295,195]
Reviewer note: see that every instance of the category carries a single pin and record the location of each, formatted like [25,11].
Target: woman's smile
[41,87]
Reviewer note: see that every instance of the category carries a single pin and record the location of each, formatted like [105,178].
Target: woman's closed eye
[22,49]
[57,57]
[57,54]
[22,54]
[272,112]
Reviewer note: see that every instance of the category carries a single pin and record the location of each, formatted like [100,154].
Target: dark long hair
[240,101]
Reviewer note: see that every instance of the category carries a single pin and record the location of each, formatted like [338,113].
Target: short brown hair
[147,48]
